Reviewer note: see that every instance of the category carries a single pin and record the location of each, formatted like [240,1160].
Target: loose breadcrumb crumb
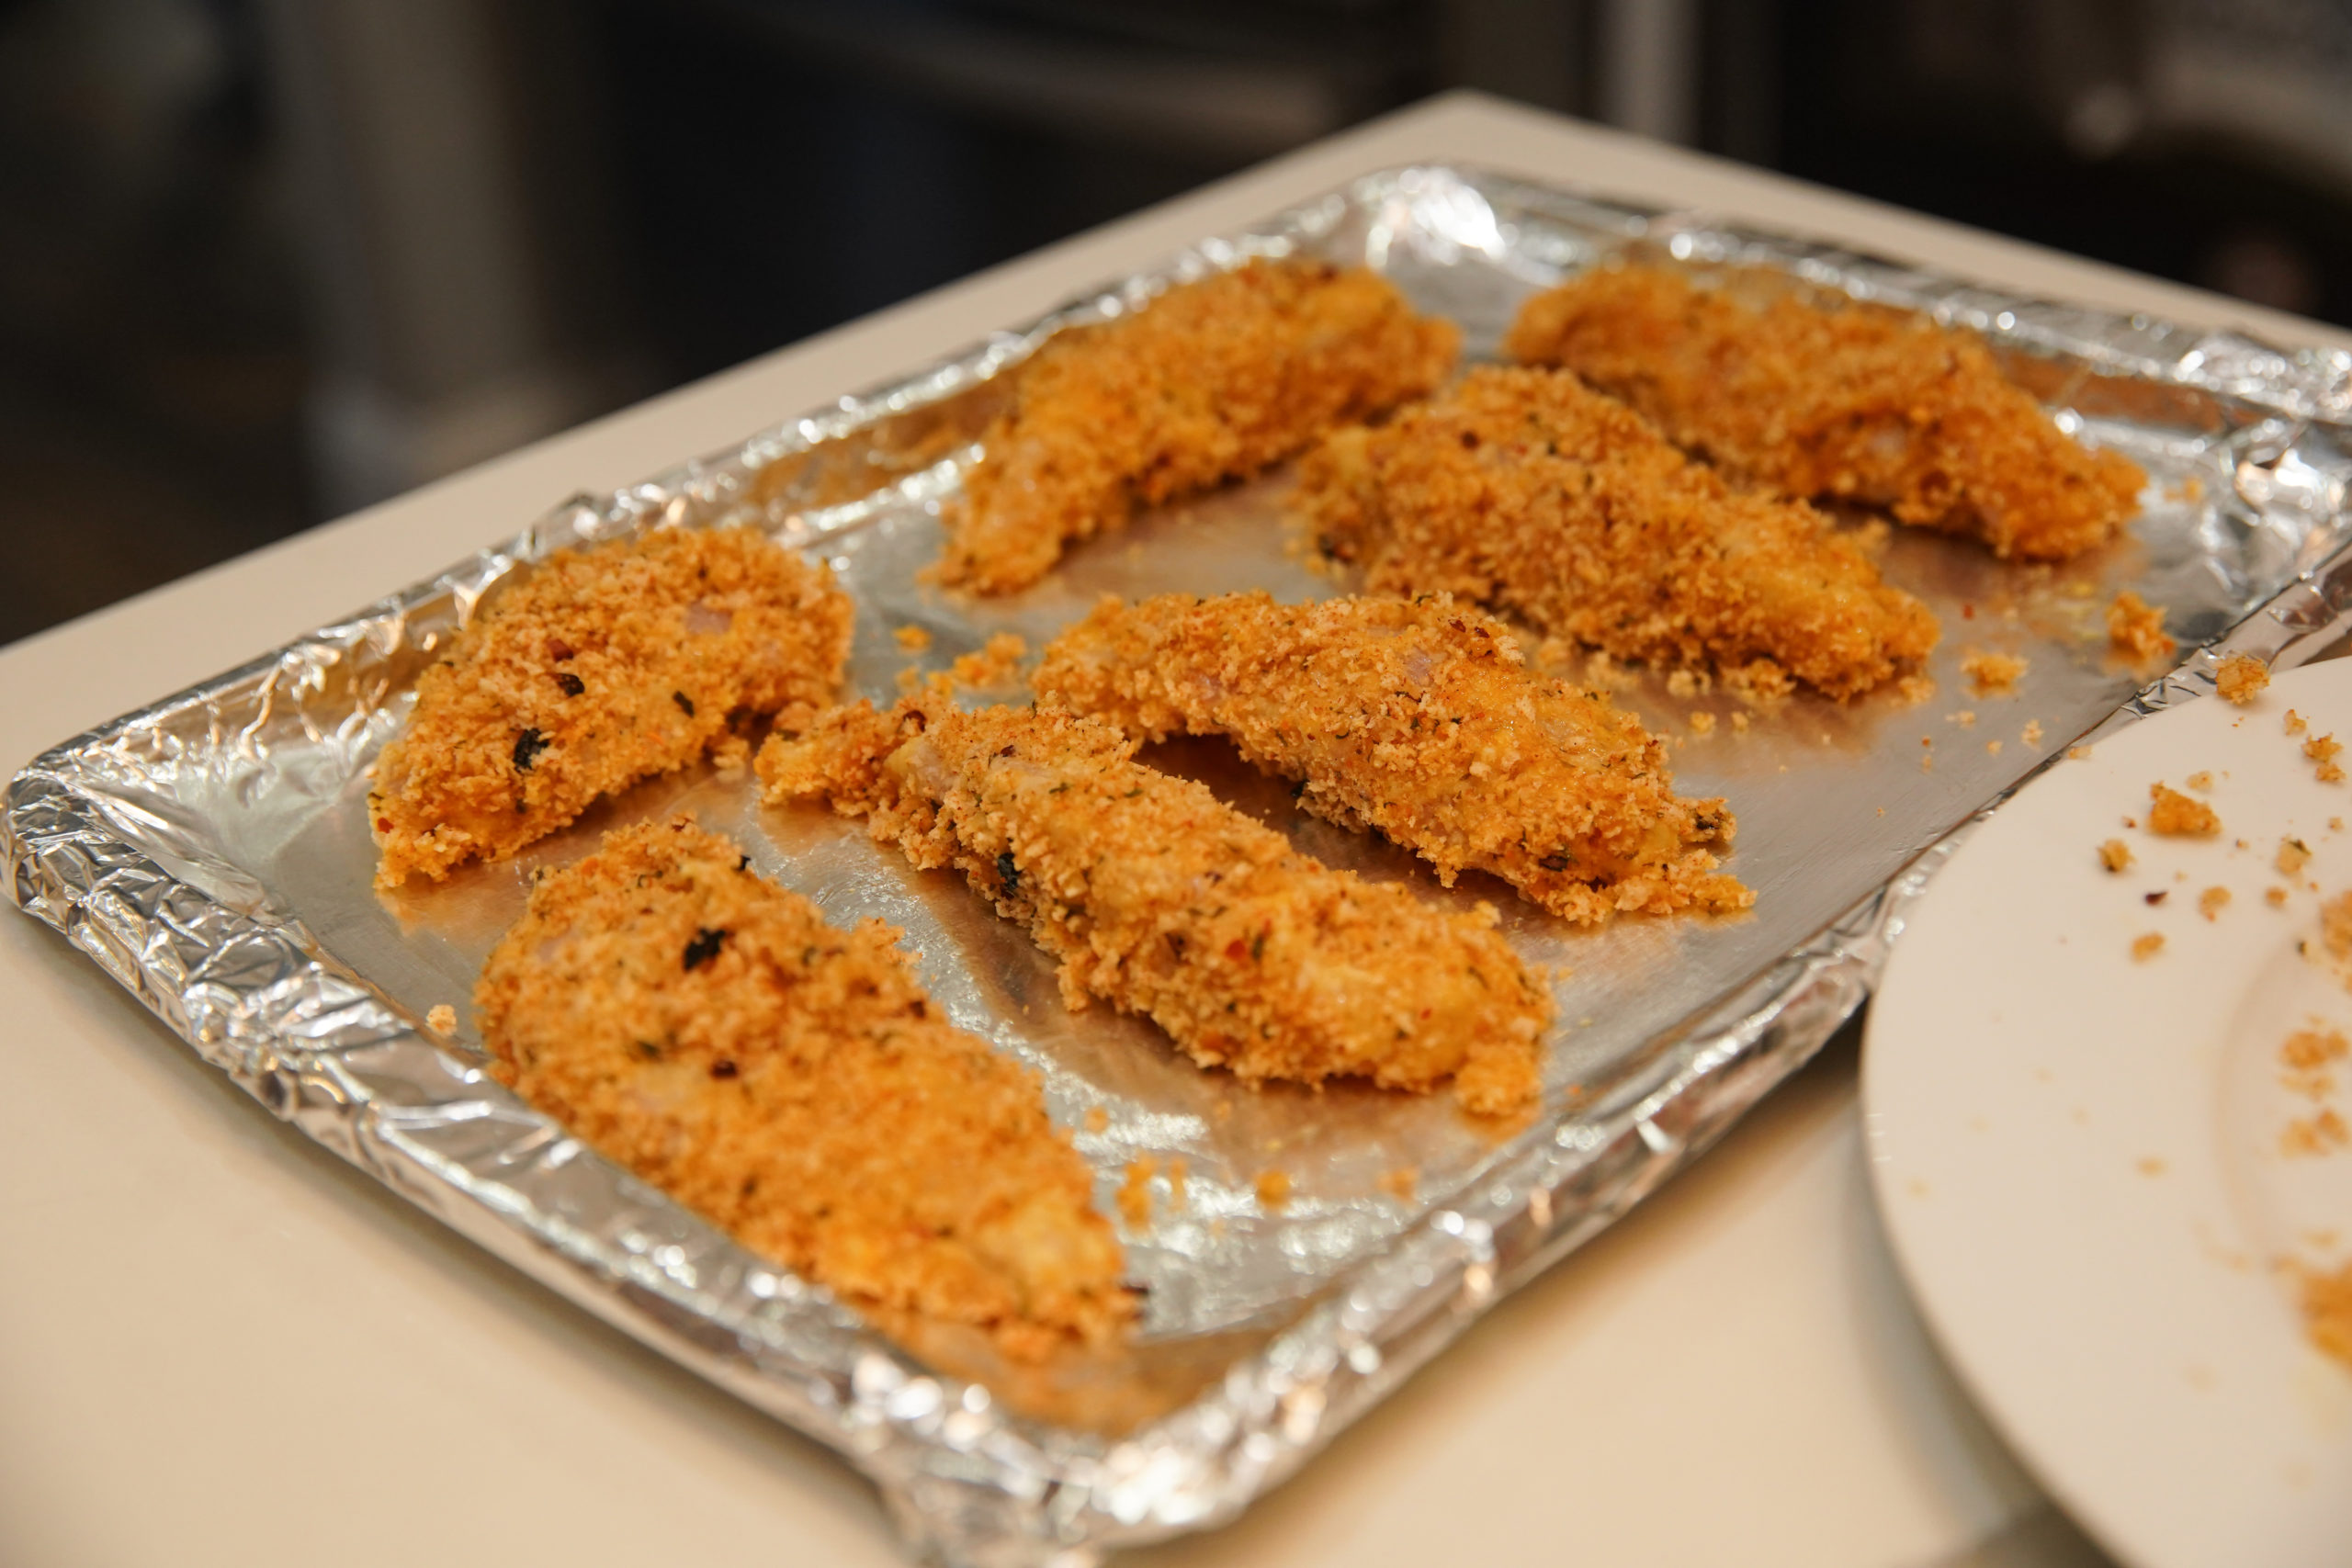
[1840,399]
[2031,735]
[442,1020]
[912,638]
[2327,1311]
[2335,926]
[2322,1132]
[2079,753]
[1419,720]
[2241,679]
[2146,947]
[1738,723]
[2324,750]
[1134,1192]
[1402,1182]
[2175,815]
[2294,725]
[1097,1119]
[1991,747]
[1993,674]
[1530,492]
[2212,901]
[2309,1050]
[1914,689]
[791,1082]
[1703,723]
[2135,628]
[993,664]
[2115,854]
[2201,781]
[2275,896]
[1211,381]
[1966,718]
[595,669]
[2293,855]
[1274,1189]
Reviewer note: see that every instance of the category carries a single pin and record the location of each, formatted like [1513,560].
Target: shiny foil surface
[212,852]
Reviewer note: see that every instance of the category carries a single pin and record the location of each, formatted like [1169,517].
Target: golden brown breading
[598,669]
[1528,491]
[1212,381]
[1858,401]
[790,1082]
[1165,901]
[1420,719]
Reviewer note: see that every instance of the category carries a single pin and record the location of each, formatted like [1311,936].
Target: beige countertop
[219,1344]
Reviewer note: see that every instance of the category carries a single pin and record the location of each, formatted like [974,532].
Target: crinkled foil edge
[968,1482]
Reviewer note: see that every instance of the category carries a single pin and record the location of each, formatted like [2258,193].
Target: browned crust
[1212,381]
[1525,490]
[790,1082]
[1157,897]
[598,669]
[1420,719]
[1855,401]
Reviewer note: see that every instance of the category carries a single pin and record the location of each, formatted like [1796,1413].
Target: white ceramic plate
[2080,1156]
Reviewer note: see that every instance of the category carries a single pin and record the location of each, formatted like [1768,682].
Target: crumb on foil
[2147,946]
[2293,855]
[1993,674]
[2115,854]
[2212,901]
[442,1020]
[995,663]
[2135,628]
[1274,1189]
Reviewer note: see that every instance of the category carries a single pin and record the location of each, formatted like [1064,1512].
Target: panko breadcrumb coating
[1527,491]
[1419,720]
[600,668]
[1212,381]
[2135,628]
[790,1082]
[1161,898]
[1855,401]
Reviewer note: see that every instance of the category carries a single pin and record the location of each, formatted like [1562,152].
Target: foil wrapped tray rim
[183,929]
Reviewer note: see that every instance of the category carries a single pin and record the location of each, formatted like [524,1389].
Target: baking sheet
[212,852]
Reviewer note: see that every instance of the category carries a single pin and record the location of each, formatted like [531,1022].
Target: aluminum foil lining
[211,852]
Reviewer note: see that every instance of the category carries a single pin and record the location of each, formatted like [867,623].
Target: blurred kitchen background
[265,261]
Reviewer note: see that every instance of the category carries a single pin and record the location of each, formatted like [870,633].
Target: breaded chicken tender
[1159,897]
[1420,719]
[600,668]
[790,1082]
[1212,381]
[1527,491]
[1861,402]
